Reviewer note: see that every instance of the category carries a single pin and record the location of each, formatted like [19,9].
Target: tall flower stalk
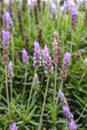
[8,25]
[25,60]
[65,65]
[66,110]
[36,64]
[57,58]
[48,69]
[5,42]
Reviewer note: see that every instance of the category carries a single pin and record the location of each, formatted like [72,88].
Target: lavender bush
[42,74]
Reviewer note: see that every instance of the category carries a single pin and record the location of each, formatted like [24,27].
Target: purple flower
[10,69]
[62,98]
[74,15]
[48,67]
[14,127]
[37,54]
[5,37]
[7,20]
[36,80]
[68,4]
[67,113]
[66,110]
[66,60]
[25,58]
[72,125]
[53,9]
[65,65]
[5,42]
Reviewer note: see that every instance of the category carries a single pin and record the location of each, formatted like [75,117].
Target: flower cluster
[65,65]
[7,21]
[37,54]
[48,67]
[10,69]
[14,126]
[25,58]
[5,42]
[53,9]
[36,80]
[5,37]
[66,110]
[56,48]
[74,16]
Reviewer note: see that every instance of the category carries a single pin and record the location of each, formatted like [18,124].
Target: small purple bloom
[74,15]
[66,60]
[72,125]
[36,80]
[48,67]
[68,4]
[5,42]
[14,126]
[25,58]
[53,9]
[65,65]
[67,113]
[66,110]
[7,20]
[5,38]
[62,98]
[10,69]
[37,54]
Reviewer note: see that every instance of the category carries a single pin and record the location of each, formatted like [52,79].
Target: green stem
[30,93]
[55,84]
[71,45]
[57,100]
[45,96]
[25,83]
[11,88]
[7,93]
[82,113]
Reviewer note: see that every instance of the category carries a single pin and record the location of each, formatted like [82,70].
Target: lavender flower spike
[37,54]
[7,21]
[53,9]
[10,69]
[14,127]
[5,42]
[25,58]
[66,63]
[67,113]
[62,98]
[74,16]
[36,80]
[72,125]
[48,67]
[66,110]
[5,37]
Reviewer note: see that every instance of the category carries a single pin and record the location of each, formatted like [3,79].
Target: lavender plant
[33,109]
